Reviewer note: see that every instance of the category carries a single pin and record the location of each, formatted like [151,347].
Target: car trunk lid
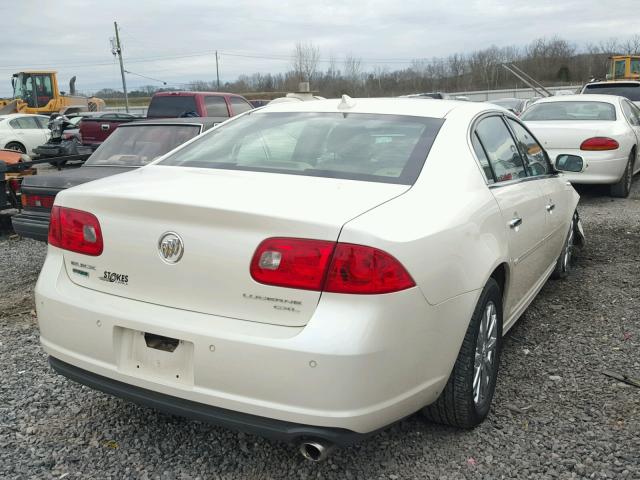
[568,134]
[221,217]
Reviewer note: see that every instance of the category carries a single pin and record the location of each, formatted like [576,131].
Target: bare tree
[305,61]
[631,46]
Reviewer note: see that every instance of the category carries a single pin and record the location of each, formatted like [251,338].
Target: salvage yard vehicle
[23,132]
[319,271]
[132,145]
[629,89]
[197,104]
[94,129]
[515,105]
[36,92]
[603,129]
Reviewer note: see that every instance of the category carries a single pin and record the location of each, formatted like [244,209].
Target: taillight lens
[328,266]
[43,201]
[292,262]
[75,230]
[365,270]
[599,143]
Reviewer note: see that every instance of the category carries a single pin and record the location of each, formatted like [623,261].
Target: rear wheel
[466,399]
[563,263]
[18,147]
[623,187]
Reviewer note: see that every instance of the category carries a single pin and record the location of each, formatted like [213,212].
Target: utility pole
[118,51]
[217,72]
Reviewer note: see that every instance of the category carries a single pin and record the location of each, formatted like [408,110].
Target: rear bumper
[31,226]
[358,365]
[275,429]
[601,167]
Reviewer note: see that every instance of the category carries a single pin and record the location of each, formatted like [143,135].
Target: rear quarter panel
[447,229]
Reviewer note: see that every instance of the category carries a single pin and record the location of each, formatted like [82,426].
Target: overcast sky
[72,36]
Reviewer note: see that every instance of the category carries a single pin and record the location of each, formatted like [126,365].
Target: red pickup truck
[95,129]
[197,104]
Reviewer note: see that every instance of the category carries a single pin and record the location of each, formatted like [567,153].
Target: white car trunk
[221,217]
[563,134]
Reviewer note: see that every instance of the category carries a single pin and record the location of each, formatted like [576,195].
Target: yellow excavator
[624,67]
[37,92]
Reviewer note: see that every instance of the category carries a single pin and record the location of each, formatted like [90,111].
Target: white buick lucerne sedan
[311,271]
[602,129]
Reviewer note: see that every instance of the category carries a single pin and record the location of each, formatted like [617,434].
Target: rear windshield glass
[569,111]
[174,106]
[139,145]
[379,148]
[628,90]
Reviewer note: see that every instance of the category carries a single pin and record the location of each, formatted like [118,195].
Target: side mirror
[569,163]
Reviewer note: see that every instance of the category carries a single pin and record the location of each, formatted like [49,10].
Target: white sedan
[23,132]
[311,271]
[603,129]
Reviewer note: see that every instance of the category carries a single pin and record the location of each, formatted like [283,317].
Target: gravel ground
[554,415]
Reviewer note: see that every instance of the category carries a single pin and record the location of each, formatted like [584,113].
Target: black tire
[18,147]
[563,263]
[457,405]
[623,187]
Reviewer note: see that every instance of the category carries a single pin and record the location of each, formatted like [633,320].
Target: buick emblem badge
[170,247]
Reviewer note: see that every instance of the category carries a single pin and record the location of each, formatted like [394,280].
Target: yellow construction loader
[37,92]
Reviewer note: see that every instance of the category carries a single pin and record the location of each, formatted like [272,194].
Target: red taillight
[43,201]
[14,185]
[599,143]
[328,266]
[365,270]
[292,262]
[75,230]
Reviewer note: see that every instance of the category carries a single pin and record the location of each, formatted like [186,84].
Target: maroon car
[196,104]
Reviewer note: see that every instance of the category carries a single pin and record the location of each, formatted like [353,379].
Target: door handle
[105,126]
[550,207]
[515,223]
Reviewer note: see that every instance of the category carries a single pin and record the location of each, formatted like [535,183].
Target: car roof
[390,106]
[193,94]
[613,82]
[581,98]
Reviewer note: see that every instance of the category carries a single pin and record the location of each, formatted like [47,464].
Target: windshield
[135,146]
[379,148]
[628,90]
[540,112]
[172,106]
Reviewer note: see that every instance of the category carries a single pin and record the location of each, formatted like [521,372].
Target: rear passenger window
[482,157]
[216,106]
[535,158]
[629,113]
[500,149]
[239,105]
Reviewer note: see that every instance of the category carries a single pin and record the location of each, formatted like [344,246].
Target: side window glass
[240,106]
[482,157]
[629,113]
[15,124]
[500,149]
[216,106]
[534,156]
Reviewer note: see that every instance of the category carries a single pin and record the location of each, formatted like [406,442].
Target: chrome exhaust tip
[316,450]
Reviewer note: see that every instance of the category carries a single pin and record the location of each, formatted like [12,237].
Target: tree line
[551,61]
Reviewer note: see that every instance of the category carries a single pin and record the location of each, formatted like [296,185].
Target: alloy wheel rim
[485,356]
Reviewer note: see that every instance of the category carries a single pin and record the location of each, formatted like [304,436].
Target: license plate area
[153,356]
